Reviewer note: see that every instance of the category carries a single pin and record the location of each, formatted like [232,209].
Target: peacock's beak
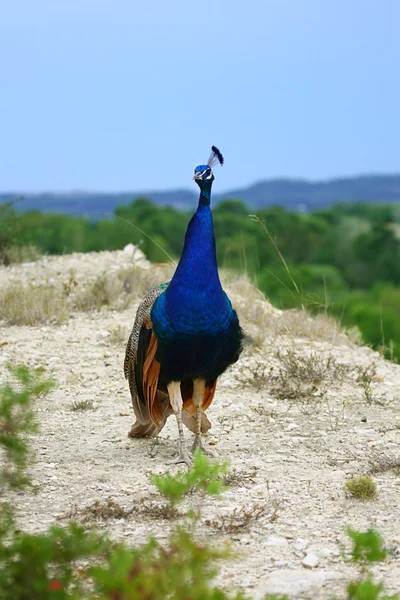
[198,176]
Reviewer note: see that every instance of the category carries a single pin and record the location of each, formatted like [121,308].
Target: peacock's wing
[150,403]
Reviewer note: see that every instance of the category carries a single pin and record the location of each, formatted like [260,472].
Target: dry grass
[362,488]
[104,510]
[100,511]
[365,378]
[32,305]
[238,478]
[117,290]
[21,254]
[242,518]
[301,376]
[300,324]
[82,405]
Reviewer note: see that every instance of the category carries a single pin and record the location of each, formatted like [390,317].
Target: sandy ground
[292,457]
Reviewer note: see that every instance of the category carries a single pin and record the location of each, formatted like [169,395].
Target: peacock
[185,335]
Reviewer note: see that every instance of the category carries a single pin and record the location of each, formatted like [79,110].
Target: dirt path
[289,455]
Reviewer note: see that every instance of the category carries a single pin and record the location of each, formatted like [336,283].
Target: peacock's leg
[199,386]
[175,397]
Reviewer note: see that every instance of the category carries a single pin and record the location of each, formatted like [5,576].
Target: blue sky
[125,95]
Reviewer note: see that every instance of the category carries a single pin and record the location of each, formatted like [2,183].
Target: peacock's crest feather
[215,157]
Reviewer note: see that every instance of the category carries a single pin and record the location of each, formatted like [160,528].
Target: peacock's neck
[197,267]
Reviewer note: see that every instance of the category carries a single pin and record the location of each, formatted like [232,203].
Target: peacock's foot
[184,457]
[198,445]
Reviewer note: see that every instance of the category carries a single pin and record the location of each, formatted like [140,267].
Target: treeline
[345,259]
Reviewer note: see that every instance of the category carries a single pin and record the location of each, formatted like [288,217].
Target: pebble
[300,544]
[310,561]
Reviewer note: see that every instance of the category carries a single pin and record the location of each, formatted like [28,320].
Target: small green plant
[368,548]
[363,487]
[203,475]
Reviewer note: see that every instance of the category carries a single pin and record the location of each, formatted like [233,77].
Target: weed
[238,478]
[363,488]
[81,405]
[242,518]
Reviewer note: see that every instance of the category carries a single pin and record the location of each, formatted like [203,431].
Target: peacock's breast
[191,315]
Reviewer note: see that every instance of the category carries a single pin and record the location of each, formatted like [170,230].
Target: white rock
[273,540]
[310,560]
[295,582]
[300,544]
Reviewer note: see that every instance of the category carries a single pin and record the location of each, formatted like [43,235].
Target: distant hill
[293,194]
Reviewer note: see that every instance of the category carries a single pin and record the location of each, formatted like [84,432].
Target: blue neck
[197,268]
[205,196]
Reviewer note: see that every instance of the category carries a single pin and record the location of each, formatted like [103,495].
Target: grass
[362,488]
[365,378]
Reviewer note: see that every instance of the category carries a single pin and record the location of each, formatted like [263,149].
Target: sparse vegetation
[32,305]
[365,378]
[305,377]
[103,510]
[242,518]
[362,488]
[70,563]
[118,336]
[82,405]
[383,461]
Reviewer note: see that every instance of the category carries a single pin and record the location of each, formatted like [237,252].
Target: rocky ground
[292,438]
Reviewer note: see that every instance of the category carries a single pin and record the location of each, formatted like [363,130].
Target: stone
[311,560]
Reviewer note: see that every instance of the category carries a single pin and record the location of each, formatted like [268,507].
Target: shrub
[363,488]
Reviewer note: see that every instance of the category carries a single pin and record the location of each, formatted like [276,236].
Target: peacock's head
[203,174]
